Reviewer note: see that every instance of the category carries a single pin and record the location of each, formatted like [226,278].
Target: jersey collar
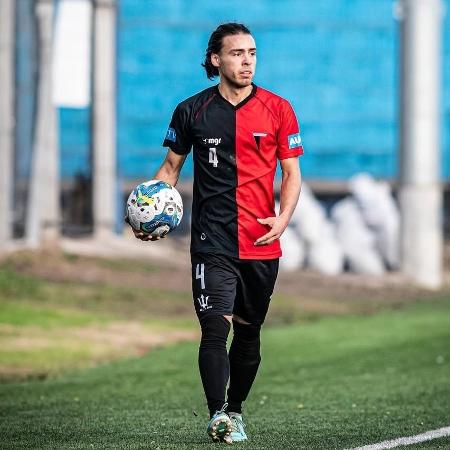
[243,102]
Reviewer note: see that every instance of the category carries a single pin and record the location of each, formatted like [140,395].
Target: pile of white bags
[360,233]
[310,226]
[380,213]
[357,240]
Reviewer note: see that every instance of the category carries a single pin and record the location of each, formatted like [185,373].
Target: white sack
[293,250]
[357,240]
[380,212]
[326,255]
[309,216]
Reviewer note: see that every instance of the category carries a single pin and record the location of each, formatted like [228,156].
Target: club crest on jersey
[171,135]
[215,141]
[294,140]
[203,302]
[258,136]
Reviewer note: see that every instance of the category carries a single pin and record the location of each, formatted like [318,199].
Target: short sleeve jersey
[235,151]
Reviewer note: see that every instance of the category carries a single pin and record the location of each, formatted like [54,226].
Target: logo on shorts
[203,302]
[171,135]
[294,140]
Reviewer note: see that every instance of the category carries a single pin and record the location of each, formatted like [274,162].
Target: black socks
[240,365]
[213,360]
[244,357]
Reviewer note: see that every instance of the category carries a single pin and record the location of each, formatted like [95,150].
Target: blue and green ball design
[154,207]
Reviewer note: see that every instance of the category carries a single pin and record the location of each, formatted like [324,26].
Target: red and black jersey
[235,151]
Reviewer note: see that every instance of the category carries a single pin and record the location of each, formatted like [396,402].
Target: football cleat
[219,427]
[237,428]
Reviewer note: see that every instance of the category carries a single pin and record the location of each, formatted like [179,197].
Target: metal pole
[44,210]
[104,119]
[420,191]
[7,88]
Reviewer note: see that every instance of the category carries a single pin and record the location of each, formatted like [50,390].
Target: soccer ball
[154,207]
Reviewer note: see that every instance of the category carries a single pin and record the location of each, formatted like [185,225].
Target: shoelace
[224,408]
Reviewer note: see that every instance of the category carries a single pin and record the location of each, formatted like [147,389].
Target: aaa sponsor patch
[171,135]
[294,140]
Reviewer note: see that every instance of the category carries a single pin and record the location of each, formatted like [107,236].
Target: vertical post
[420,191]
[104,119]
[7,89]
[44,210]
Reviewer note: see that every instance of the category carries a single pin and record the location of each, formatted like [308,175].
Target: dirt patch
[391,287]
[79,346]
[62,267]
[305,286]
[125,335]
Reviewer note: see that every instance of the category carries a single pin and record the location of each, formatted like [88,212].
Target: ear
[215,59]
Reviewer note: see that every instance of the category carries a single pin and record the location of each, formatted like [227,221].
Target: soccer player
[238,132]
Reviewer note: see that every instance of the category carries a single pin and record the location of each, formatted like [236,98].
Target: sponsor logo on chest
[212,141]
[212,150]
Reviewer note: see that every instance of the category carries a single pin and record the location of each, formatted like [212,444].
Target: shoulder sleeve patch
[294,140]
[171,135]
[178,135]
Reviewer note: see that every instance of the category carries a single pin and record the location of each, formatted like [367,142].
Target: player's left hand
[277,225]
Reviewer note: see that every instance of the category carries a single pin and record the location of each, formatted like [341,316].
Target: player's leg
[214,370]
[245,357]
[213,360]
[214,289]
[254,290]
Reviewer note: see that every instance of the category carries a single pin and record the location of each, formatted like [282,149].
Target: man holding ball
[238,132]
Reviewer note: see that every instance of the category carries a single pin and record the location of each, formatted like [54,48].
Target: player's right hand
[144,236]
[140,234]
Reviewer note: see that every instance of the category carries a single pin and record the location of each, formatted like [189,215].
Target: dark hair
[215,44]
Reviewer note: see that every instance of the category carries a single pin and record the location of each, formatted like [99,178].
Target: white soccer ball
[154,207]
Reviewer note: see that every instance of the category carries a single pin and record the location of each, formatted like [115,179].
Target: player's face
[236,60]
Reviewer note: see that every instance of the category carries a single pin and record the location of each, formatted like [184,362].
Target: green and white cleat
[237,430]
[219,427]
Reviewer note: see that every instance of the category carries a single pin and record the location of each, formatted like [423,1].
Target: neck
[234,94]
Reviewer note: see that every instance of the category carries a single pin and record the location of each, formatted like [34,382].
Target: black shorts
[225,285]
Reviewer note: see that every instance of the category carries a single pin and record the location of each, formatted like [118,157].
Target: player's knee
[239,319]
[247,332]
[245,348]
[215,330]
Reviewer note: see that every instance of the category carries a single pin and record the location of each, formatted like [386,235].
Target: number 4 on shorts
[200,274]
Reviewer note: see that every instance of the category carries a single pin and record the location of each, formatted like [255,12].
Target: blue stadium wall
[335,60]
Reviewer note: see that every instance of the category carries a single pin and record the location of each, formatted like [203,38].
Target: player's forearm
[290,192]
[170,169]
[167,174]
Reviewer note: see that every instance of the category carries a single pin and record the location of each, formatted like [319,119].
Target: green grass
[46,326]
[118,301]
[24,314]
[333,384]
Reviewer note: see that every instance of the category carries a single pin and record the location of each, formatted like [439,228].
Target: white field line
[409,440]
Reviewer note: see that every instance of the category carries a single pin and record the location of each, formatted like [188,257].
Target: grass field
[49,326]
[60,311]
[334,383]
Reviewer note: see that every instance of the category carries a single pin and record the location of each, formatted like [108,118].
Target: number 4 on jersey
[213,156]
